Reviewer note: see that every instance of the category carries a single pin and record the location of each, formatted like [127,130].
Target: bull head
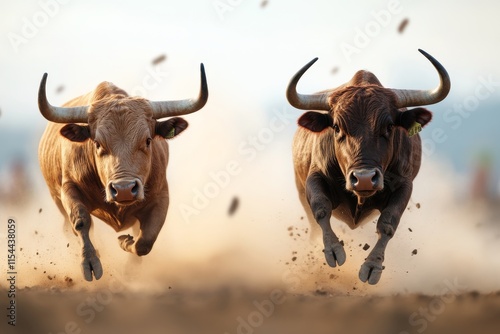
[365,121]
[119,131]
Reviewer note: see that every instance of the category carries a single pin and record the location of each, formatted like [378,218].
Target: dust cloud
[267,242]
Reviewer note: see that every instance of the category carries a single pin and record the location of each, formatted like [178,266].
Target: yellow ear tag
[170,134]
[414,129]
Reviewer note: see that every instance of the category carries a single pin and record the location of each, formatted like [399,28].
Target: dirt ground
[256,271]
[240,310]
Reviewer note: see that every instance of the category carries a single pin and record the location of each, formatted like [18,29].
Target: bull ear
[407,118]
[75,132]
[171,128]
[315,121]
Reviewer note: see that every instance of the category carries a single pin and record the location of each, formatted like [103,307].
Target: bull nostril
[353,179]
[113,191]
[376,179]
[135,188]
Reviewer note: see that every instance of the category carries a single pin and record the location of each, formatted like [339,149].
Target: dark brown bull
[358,156]
[104,154]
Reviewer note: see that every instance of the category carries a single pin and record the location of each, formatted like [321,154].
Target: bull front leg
[151,221]
[79,217]
[388,222]
[318,196]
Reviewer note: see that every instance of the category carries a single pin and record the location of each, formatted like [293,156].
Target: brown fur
[113,146]
[363,131]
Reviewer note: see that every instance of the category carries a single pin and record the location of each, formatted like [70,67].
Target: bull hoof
[335,255]
[126,242]
[90,265]
[370,272]
[142,247]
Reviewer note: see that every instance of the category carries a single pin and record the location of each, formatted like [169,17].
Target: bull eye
[339,135]
[336,128]
[148,142]
[387,133]
[100,149]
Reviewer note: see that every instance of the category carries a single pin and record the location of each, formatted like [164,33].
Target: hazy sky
[250,51]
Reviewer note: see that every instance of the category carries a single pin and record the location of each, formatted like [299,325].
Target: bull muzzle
[365,182]
[125,192]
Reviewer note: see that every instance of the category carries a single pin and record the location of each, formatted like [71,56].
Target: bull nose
[366,180]
[124,191]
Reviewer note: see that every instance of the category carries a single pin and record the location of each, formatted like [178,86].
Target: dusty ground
[239,310]
[256,271]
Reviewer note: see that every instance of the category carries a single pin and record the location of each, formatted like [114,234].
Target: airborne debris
[235,203]
[402,25]
[409,229]
[60,89]
[69,281]
[366,247]
[414,252]
[161,58]
[418,205]
[319,292]
[40,210]
[335,70]
[264,3]
[294,258]
[67,245]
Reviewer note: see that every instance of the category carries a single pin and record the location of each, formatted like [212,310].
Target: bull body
[357,158]
[111,163]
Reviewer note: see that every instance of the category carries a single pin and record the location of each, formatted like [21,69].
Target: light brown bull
[105,154]
[359,155]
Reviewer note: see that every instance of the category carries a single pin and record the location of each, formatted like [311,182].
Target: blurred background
[247,228]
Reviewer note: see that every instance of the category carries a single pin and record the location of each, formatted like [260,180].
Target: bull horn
[414,98]
[182,107]
[306,102]
[59,114]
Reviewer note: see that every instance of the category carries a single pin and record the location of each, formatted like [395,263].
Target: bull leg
[315,230]
[371,270]
[151,221]
[80,220]
[321,207]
